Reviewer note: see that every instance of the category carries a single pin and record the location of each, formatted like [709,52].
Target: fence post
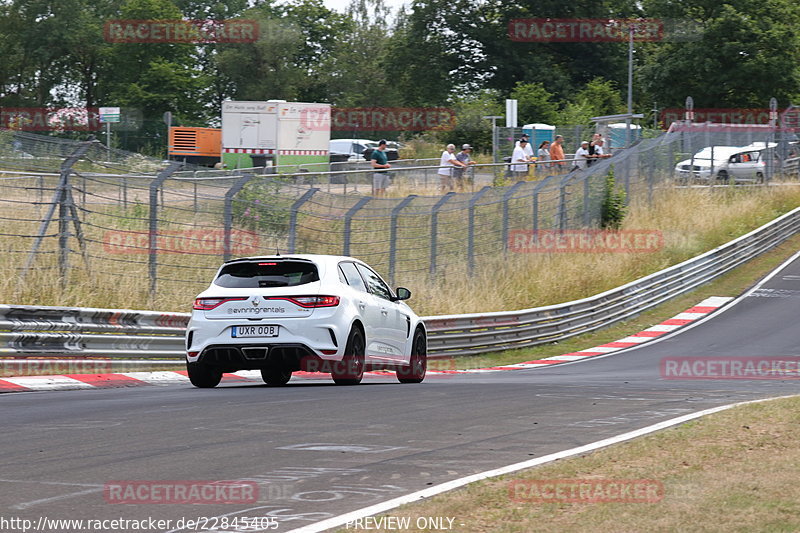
[228,213]
[293,216]
[506,197]
[562,200]
[393,234]
[539,187]
[152,245]
[348,219]
[435,228]
[651,176]
[587,219]
[59,199]
[471,228]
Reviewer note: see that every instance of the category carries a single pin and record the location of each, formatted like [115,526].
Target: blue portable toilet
[539,133]
[616,134]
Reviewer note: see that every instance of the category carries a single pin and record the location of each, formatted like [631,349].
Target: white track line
[340,520]
[696,323]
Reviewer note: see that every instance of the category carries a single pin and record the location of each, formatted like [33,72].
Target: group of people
[451,168]
[452,165]
[590,152]
[551,155]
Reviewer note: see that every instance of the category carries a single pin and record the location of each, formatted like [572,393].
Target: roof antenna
[277,251]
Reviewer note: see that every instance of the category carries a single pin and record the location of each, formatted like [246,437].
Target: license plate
[254,331]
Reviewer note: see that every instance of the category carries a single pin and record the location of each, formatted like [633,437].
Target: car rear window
[247,275]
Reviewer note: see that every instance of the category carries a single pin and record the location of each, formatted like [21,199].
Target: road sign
[109,114]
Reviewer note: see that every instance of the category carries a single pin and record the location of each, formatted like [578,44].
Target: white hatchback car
[281,314]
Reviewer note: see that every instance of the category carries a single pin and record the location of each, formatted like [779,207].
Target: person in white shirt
[519,159]
[528,150]
[581,156]
[446,166]
[599,152]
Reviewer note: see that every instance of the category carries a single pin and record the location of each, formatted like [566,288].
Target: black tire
[759,177]
[722,176]
[203,376]
[276,376]
[350,370]
[415,372]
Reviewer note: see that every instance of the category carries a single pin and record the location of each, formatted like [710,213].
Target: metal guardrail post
[506,197]
[471,228]
[152,245]
[348,220]
[293,216]
[393,234]
[228,213]
[435,228]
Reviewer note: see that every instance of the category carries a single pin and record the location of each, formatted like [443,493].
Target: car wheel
[415,372]
[350,370]
[203,376]
[276,376]
[722,175]
[759,177]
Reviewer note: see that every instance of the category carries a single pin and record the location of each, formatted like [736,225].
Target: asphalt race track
[318,450]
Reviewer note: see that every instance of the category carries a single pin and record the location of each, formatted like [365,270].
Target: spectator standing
[582,156]
[447,165]
[543,155]
[557,153]
[599,151]
[528,150]
[466,160]
[592,146]
[380,162]
[519,160]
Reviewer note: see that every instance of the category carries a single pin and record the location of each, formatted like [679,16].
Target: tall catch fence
[167,232]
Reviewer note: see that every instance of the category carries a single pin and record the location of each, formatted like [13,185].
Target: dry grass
[692,220]
[731,471]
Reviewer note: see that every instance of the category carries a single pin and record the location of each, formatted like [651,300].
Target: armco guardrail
[47,331]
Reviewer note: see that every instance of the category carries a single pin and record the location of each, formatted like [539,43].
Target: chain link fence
[167,232]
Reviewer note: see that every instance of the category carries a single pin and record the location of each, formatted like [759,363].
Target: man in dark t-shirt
[380,162]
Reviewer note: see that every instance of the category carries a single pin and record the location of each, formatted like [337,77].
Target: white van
[738,163]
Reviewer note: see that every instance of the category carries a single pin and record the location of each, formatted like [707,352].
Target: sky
[341,5]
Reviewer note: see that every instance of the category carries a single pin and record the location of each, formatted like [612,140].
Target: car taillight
[205,304]
[310,301]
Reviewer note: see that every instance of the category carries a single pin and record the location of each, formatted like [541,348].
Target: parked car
[280,314]
[360,149]
[738,163]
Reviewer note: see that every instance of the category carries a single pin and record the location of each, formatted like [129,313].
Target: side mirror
[402,294]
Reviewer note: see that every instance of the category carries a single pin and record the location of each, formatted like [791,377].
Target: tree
[153,78]
[534,103]
[360,72]
[749,51]
[470,125]
[599,97]
[424,54]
